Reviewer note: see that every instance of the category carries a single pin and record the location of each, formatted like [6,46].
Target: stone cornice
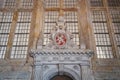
[37,52]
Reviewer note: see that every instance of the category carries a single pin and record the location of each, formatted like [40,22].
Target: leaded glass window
[102,37]
[52,3]
[50,22]
[27,4]
[10,3]
[70,3]
[5,25]
[106,22]
[72,24]
[96,3]
[115,15]
[21,37]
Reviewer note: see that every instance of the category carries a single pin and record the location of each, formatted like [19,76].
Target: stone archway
[61,77]
[67,73]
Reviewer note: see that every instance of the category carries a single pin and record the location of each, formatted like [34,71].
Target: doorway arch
[61,77]
[72,75]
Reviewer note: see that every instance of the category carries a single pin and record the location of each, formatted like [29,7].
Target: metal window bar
[20,43]
[113,3]
[51,3]
[96,3]
[27,4]
[10,4]
[70,3]
[5,25]
[72,25]
[50,21]
[115,15]
[102,38]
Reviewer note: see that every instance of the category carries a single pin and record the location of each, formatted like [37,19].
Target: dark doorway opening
[61,77]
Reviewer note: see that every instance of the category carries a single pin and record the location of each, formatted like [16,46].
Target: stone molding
[75,62]
[61,56]
[87,53]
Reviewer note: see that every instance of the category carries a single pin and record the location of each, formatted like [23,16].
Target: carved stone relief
[61,56]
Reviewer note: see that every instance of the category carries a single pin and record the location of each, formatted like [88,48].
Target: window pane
[102,38]
[51,3]
[114,3]
[115,14]
[21,37]
[10,3]
[71,20]
[27,3]
[5,25]
[96,3]
[50,22]
[69,3]
[104,52]
[100,27]
[51,16]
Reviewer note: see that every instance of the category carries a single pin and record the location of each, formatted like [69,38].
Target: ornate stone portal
[61,57]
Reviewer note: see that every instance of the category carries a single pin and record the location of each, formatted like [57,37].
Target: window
[72,24]
[20,43]
[106,20]
[69,3]
[51,16]
[50,21]
[115,15]
[113,3]
[102,37]
[27,4]
[96,3]
[5,25]
[15,31]
[10,4]
[51,3]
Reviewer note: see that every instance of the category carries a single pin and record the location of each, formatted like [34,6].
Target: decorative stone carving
[46,63]
[60,37]
[61,56]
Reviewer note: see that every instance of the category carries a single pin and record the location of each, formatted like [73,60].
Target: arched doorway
[61,77]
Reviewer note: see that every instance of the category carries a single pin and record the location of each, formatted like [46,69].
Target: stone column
[86,73]
[83,25]
[39,21]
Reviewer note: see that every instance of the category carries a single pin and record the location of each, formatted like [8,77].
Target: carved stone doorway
[61,77]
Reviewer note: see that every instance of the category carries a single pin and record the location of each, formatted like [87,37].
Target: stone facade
[61,57]
[76,63]
[73,63]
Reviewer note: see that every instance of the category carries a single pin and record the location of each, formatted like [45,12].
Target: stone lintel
[64,52]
